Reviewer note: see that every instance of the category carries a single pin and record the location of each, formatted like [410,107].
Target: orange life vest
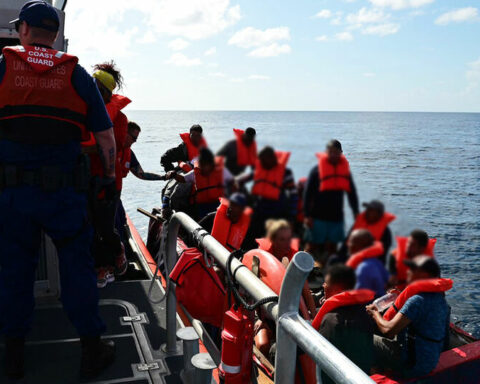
[245,155]
[266,245]
[185,167]
[191,149]
[208,189]
[376,250]
[125,162]
[419,286]
[228,234]
[267,183]
[38,102]
[376,229]
[400,254]
[333,177]
[343,299]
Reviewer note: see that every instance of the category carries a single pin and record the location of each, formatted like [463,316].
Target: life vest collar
[416,287]
[343,299]
[192,150]
[245,155]
[400,254]
[333,177]
[376,229]
[374,251]
[40,59]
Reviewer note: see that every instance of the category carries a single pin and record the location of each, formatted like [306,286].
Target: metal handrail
[292,330]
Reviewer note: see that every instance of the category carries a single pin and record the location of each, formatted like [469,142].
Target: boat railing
[292,329]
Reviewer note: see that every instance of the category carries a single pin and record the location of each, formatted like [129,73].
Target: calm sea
[424,166]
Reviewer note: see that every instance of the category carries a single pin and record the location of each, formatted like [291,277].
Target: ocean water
[425,167]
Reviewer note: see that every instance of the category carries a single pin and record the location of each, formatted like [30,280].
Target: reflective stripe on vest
[245,155]
[209,189]
[376,250]
[343,299]
[38,102]
[230,235]
[191,149]
[333,177]
[419,286]
[400,254]
[376,229]
[267,183]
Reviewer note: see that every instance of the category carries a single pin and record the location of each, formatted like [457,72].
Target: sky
[344,55]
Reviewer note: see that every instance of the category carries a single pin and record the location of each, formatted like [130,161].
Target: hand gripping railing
[292,330]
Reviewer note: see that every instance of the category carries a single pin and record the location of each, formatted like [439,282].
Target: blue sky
[375,55]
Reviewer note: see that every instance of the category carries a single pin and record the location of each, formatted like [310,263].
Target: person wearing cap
[326,186]
[419,320]
[108,250]
[240,152]
[230,222]
[187,151]
[43,183]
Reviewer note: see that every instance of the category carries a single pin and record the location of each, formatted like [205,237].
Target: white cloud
[178,44]
[365,16]
[210,51]
[237,80]
[147,38]
[322,38]
[180,60]
[344,36]
[250,37]
[381,29]
[217,74]
[369,74]
[271,50]
[401,4]
[458,16]
[323,14]
[259,77]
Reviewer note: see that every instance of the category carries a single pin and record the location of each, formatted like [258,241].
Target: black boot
[14,358]
[97,354]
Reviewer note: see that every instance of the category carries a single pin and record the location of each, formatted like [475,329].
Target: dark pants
[121,221]
[24,212]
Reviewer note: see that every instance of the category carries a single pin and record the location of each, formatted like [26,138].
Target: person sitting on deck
[326,186]
[416,244]
[274,190]
[240,152]
[210,180]
[230,222]
[187,151]
[342,319]
[420,318]
[365,254]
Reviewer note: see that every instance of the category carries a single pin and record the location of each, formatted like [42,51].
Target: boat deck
[53,348]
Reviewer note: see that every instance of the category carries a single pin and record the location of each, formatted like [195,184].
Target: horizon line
[293,110]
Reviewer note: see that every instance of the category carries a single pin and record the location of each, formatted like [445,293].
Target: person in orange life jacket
[274,191]
[421,324]
[416,244]
[365,253]
[240,152]
[323,200]
[211,181]
[231,219]
[40,134]
[376,220]
[187,151]
[345,323]
[108,250]
[281,244]
[129,163]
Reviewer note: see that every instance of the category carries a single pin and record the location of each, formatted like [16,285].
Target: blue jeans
[24,212]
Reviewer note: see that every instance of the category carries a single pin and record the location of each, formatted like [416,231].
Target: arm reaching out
[107,150]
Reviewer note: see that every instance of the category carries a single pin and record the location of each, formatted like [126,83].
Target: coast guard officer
[48,103]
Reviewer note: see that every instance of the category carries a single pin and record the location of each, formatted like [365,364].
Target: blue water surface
[424,166]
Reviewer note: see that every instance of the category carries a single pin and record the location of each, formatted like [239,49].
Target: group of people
[282,217]
[65,147]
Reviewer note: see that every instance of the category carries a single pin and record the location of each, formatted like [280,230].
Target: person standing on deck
[323,200]
[240,152]
[185,152]
[43,184]
[129,163]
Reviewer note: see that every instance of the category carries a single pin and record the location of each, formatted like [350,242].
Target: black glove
[109,186]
